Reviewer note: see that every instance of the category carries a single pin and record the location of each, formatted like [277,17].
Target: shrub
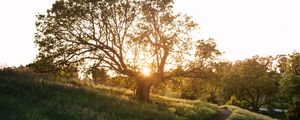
[294,111]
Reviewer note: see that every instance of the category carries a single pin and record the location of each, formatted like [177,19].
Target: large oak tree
[120,35]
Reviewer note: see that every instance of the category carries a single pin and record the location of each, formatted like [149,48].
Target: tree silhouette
[122,35]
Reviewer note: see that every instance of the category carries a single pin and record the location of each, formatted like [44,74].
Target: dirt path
[222,114]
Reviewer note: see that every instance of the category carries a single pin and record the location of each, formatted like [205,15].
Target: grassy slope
[242,114]
[21,99]
[25,99]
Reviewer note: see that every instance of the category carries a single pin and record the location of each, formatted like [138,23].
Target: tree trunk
[143,89]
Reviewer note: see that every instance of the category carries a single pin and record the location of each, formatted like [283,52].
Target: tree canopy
[253,82]
[290,82]
[121,35]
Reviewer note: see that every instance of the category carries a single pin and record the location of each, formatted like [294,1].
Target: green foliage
[181,87]
[46,65]
[99,75]
[201,80]
[252,81]
[294,110]
[290,82]
[190,90]
[70,71]
[121,82]
[234,101]
[199,89]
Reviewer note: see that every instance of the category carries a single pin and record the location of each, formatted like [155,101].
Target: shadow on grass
[21,99]
[28,99]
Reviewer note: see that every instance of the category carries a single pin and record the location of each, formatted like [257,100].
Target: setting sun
[146,71]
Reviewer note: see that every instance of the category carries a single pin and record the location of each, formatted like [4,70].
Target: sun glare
[146,71]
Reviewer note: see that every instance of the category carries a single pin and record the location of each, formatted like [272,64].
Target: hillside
[25,99]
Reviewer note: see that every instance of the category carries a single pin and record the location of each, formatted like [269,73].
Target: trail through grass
[242,114]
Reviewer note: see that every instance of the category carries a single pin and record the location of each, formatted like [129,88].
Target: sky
[241,28]
[244,28]
[17,28]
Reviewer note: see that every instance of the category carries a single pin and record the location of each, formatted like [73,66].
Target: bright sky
[241,28]
[17,28]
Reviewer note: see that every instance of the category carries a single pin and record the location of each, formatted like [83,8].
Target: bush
[20,72]
[234,101]
[294,111]
[121,82]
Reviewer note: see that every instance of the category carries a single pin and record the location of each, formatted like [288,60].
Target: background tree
[99,75]
[253,82]
[46,66]
[199,79]
[121,35]
[290,83]
[206,67]
[121,82]
[203,69]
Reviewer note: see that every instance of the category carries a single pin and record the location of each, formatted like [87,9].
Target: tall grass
[25,95]
[32,97]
